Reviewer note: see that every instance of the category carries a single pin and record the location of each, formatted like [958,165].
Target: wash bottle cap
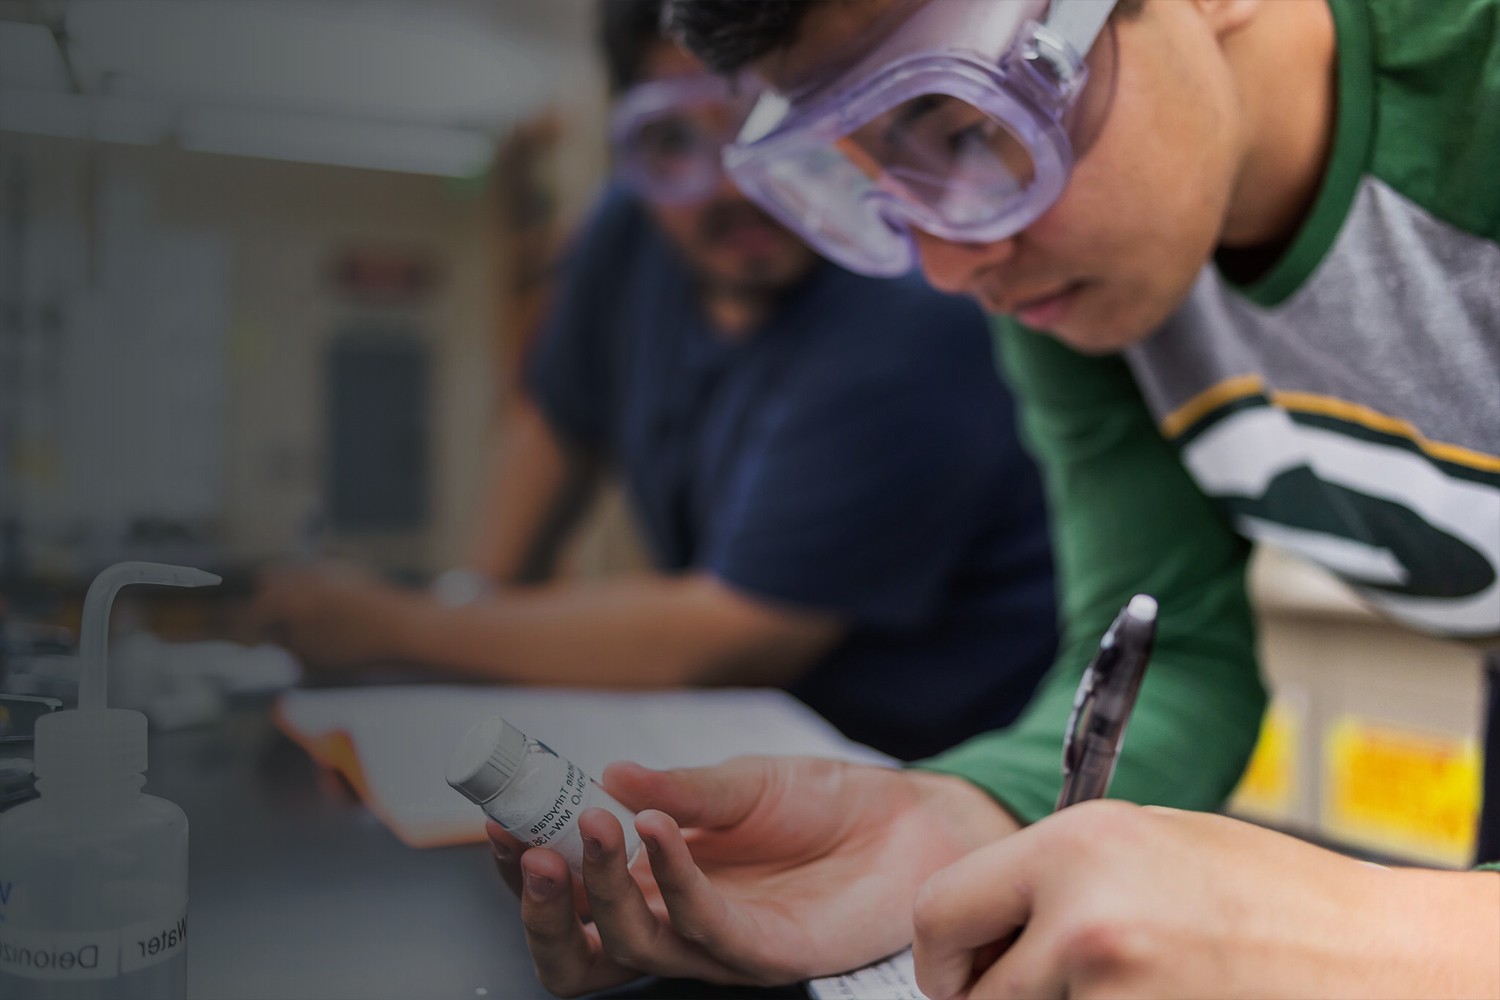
[93,741]
[84,744]
[485,760]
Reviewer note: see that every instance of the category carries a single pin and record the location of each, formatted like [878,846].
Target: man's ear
[1225,17]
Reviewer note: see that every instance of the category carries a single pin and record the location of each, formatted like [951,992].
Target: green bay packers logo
[1417,533]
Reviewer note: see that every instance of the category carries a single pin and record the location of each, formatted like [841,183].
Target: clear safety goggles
[668,135]
[959,122]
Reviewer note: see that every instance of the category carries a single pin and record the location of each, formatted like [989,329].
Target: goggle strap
[770,110]
[1078,22]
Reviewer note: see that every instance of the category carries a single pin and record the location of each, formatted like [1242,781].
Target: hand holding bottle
[762,870]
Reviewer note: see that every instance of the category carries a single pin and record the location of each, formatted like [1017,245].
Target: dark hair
[628,29]
[728,34]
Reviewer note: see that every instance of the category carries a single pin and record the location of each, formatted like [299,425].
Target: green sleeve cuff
[1189,738]
[1023,775]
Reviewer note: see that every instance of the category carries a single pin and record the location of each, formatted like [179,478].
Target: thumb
[706,797]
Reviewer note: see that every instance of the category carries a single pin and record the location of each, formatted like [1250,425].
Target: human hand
[332,614]
[1111,899]
[761,870]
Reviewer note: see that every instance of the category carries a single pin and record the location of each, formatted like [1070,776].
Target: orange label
[1269,787]
[1411,792]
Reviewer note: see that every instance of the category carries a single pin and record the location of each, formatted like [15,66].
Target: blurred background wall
[267,270]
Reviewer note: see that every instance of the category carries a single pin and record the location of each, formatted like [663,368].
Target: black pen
[1101,708]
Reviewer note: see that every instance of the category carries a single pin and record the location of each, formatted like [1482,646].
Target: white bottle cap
[90,744]
[485,760]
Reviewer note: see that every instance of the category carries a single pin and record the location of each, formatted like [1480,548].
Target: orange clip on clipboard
[334,749]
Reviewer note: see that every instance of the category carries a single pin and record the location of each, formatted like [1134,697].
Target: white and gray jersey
[1347,407]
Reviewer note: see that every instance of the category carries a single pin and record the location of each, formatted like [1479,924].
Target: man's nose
[956,268]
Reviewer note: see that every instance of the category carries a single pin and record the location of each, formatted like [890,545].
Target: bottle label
[152,941]
[59,955]
[560,813]
[62,955]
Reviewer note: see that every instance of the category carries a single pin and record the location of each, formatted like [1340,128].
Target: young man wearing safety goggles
[825,466]
[1248,257]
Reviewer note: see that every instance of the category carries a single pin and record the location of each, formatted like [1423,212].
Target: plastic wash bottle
[93,874]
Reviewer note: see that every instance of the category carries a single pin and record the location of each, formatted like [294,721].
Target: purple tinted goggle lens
[926,132]
[668,135]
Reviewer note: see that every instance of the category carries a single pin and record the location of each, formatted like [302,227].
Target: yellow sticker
[1270,787]
[1411,792]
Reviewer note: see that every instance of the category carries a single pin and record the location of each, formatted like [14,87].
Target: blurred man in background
[825,466]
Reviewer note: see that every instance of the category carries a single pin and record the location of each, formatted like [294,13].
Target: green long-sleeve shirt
[1127,519]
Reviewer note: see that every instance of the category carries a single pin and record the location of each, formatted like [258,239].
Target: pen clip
[1073,734]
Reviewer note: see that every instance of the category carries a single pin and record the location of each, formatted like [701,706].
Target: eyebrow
[908,114]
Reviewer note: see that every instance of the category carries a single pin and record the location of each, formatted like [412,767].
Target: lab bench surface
[296,890]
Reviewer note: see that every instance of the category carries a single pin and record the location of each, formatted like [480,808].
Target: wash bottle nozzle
[94,644]
[96,740]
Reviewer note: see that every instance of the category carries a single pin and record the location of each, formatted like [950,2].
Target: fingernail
[651,843]
[540,886]
[504,855]
[592,848]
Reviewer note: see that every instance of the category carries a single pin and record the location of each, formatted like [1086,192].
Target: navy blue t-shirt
[855,454]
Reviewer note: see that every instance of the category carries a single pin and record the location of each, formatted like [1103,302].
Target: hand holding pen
[972,917]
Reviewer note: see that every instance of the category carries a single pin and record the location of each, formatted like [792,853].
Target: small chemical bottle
[523,785]
[93,874]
